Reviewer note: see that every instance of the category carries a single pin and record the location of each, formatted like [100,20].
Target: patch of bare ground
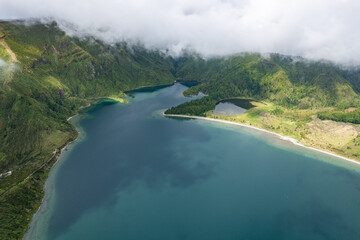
[335,136]
[350,109]
[9,51]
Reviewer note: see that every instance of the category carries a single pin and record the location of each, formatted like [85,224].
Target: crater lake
[134,174]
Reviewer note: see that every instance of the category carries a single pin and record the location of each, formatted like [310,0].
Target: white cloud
[2,63]
[314,29]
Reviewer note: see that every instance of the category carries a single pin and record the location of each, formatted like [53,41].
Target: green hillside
[52,76]
[299,97]
[46,76]
[279,79]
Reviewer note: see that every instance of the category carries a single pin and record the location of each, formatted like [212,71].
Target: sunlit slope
[287,81]
[300,97]
[45,76]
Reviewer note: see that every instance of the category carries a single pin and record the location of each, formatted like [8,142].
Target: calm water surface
[227,109]
[138,175]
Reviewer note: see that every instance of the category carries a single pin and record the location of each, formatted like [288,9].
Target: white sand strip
[286,138]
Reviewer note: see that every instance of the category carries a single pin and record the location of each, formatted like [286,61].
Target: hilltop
[47,76]
[300,96]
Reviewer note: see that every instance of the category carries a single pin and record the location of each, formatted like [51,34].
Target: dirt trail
[9,51]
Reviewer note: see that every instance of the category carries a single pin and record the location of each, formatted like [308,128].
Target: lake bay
[135,174]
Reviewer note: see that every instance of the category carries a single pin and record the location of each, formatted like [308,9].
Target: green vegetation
[341,116]
[284,81]
[48,76]
[4,55]
[279,79]
[197,107]
[299,96]
[302,124]
[55,76]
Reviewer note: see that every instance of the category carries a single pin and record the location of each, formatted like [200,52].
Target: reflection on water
[141,176]
[227,109]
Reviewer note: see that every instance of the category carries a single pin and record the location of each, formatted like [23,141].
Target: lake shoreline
[59,155]
[285,138]
[45,204]
[60,151]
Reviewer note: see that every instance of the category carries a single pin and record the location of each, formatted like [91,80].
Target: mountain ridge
[56,74]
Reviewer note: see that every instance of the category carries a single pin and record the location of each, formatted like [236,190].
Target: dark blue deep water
[135,174]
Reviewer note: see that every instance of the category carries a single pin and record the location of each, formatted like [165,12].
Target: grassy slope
[56,75]
[296,93]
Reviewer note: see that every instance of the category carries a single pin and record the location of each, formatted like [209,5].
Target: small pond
[230,107]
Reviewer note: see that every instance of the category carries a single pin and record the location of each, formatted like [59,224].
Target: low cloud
[316,29]
[2,63]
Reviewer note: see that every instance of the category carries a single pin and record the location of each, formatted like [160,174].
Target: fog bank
[317,29]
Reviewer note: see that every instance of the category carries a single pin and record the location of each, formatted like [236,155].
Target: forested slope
[52,76]
[298,97]
[286,81]
[46,76]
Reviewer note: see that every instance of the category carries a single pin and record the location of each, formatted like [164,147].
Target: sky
[314,29]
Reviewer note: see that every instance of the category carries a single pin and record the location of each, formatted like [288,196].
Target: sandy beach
[285,138]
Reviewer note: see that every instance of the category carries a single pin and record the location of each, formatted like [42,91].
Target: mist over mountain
[64,55]
[319,29]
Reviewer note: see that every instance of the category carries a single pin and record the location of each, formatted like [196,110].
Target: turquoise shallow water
[137,175]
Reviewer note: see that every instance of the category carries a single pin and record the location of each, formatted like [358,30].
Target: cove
[135,174]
